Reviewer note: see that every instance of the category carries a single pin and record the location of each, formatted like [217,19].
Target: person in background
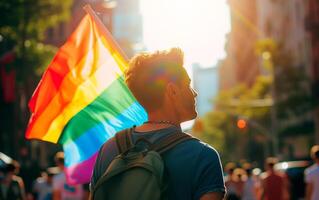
[312,175]
[61,189]
[240,177]
[273,184]
[12,186]
[29,170]
[231,182]
[42,187]
[250,185]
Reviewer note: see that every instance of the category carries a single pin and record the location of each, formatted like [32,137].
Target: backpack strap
[124,140]
[170,141]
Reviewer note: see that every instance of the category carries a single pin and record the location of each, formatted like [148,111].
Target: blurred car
[295,172]
[4,160]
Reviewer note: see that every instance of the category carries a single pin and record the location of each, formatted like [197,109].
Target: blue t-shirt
[193,167]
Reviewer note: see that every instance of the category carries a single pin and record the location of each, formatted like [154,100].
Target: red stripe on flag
[68,56]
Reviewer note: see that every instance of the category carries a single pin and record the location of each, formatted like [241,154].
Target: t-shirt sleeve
[208,173]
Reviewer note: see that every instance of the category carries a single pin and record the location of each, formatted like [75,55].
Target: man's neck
[152,127]
[162,117]
[158,120]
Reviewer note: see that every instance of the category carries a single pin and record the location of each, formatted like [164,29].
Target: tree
[292,92]
[220,125]
[254,104]
[23,25]
[22,31]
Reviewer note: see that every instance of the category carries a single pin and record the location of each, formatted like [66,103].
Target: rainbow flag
[82,99]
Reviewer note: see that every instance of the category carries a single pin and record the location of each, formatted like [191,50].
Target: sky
[199,27]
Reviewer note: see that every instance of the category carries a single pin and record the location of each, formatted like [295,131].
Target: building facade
[241,64]
[127,26]
[283,22]
[104,9]
[312,26]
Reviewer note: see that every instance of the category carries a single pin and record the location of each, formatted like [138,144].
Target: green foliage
[22,26]
[241,100]
[213,129]
[31,18]
[219,126]
[22,31]
[292,101]
[292,92]
[37,58]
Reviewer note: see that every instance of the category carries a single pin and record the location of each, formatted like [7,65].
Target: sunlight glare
[198,27]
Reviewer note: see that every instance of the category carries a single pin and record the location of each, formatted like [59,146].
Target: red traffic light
[241,124]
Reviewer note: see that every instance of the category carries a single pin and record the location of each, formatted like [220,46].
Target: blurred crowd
[243,182]
[30,183]
[293,180]
[249,183]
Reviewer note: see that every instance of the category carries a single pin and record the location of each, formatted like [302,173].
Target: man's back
[193,168]
[249,191]
[273,186]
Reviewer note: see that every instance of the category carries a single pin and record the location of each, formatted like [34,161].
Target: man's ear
[172,90]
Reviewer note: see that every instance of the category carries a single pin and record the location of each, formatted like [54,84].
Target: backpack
[137,173]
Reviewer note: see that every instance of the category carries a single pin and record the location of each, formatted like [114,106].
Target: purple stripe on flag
[82,172]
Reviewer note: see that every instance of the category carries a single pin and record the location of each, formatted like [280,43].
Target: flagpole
[104,30]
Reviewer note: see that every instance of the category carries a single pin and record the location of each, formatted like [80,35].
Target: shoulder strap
[123,140]
[170,141]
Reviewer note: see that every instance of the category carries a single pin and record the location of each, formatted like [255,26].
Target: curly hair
[149,73]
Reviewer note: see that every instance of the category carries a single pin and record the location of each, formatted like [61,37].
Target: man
[42,187]
[250,186]
[11,185]
[161,85]
[312,175]
[274,185]
[231,182]
[62,190]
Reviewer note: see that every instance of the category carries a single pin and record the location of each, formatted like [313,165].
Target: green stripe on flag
[112,102]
